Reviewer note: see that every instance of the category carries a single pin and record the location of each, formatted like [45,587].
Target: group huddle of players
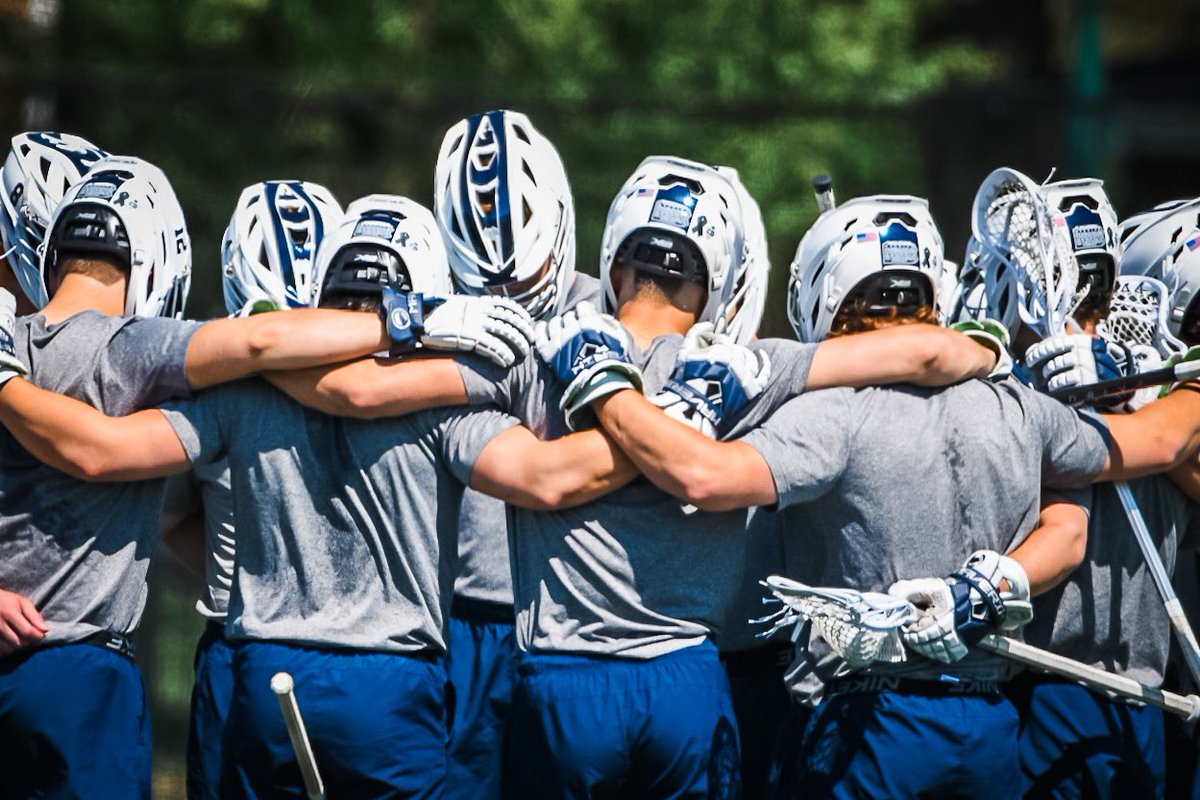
[504,524]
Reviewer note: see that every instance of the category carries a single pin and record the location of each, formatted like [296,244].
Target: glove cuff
[404,315]
[613,378]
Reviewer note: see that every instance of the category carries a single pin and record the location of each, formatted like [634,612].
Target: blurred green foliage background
[915,96]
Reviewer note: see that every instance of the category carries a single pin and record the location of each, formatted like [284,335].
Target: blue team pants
[73,723]
[376,722]
[592,727]
[211,694]
[907,742]
[760,702]
[480,664]
[1075,743]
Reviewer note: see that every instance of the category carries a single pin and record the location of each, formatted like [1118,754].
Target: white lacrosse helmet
[1093,229]
[742,313]
[383,239]
[1164,243]
[505,210]
[37,173]
[679,219]
[125,208]
[852,243]
[270,247]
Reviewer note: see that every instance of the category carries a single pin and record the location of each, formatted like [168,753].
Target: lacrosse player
[827,459]
[72,716]
[344,587]
[506,214]
[267,257]
[1109,613]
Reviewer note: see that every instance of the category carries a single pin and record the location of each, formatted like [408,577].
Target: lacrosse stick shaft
[822,186]
[284,689]
[1076,395]
[1091,677]
[1179,621]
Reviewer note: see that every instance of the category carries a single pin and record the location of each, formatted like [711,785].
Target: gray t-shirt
[764,556]
[904,482]
[1109,613]
[631,574]
[207,488]
[483,570]
[79,551]
[346,536]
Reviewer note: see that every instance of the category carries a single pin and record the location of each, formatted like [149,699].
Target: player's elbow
[706,486]
[346,399]
[265,335]
[86,465]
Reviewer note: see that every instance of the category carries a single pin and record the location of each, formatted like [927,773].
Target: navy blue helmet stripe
[465,208]
[502,209]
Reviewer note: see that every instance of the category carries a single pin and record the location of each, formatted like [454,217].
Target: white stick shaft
[1101,680]
[281,684]
[1179,622]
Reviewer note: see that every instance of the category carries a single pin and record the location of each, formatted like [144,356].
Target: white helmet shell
[270,247]
[357,254]
[1092,225]
[741,315]
[852,242]
[684,202]
[39,170]
[138,203]
[505,210]
[1164,243]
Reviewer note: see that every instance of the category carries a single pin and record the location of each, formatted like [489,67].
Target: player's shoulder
[583,289]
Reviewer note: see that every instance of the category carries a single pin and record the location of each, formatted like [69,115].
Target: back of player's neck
[646,319]
[79,293]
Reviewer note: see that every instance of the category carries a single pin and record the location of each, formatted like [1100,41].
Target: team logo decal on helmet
[39,169]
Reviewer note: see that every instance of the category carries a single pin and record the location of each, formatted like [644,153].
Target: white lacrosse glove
[991,334]
[10,365]
[1069,360]
[713,381]
[958,610]
[494,327]
[588,352]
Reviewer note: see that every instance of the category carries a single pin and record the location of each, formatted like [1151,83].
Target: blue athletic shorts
[211,695]
[73,723]
[376,722]
[585,726]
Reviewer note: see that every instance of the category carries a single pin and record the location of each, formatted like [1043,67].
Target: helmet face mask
[505,210]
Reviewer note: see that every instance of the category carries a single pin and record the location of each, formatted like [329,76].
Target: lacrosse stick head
[861,627]
[1137,317]
[1021,239]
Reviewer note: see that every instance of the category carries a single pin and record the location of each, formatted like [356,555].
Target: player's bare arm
[228,349]
[372,388]
[1155,438]
[87,444]
[926,355]
[523,470]
[1056,547]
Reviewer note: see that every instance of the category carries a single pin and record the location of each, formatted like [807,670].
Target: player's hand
[493,327]
[21,624]
[589,353]
[10,365]
[990,592]
[713,381]
[991,334]
[1069,360]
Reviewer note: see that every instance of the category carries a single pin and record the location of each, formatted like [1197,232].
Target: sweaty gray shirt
[79,551]
[904,482]
[630,574]
[207,488]
[1109,613]
[483,568]
[346,528]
